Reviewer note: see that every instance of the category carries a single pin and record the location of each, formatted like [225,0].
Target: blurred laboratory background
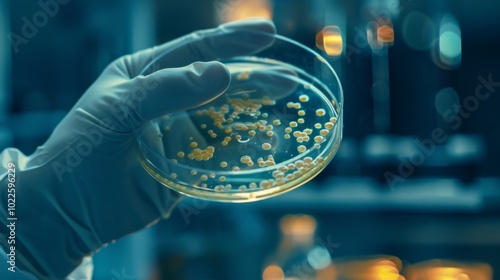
[414,191]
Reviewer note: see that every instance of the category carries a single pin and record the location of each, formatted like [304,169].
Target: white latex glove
[85,187]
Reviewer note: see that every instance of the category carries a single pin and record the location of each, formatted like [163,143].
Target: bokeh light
[450,45]
[385,34]
[448,270]
[299,226]
[444,101]
[238,10]
[450,42]
[273,272]
[370,268]
[319,257]
[372,36]
[419,31]
[330,40]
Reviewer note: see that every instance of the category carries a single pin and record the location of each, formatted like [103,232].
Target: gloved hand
[85,187]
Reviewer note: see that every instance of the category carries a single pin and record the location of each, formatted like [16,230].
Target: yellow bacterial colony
[245,121]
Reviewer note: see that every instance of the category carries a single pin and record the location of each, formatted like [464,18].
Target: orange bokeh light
[273,272]
[330,40]
[238,10]
[385,34]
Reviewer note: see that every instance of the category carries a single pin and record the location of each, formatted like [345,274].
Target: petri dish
[276,127]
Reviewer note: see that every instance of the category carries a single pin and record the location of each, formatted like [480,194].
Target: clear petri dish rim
[330,147]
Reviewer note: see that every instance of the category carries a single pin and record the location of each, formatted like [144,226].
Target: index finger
[228,40]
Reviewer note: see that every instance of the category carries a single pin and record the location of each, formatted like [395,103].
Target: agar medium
[277,126]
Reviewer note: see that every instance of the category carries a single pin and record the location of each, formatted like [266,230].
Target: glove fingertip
[254,24]
[213,77]
[177,89]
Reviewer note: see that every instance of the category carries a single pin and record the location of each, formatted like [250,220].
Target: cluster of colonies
[226,122]
[197,153]
[283,174]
